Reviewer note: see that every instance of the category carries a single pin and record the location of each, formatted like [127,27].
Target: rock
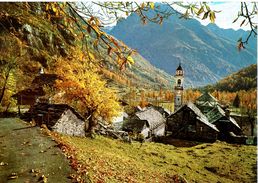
[27,29]
[35,7]
[68,36]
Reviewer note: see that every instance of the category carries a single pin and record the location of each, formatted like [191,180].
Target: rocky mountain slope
[207,53]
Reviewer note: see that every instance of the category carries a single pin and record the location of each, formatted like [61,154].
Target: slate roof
[161,110]
[54,110]
[206,97]
[135,125]
[199,115]
[217,113]
[151,115]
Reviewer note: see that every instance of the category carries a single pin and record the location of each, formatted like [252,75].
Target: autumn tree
[81,87]
[236,102]
[9,69]
[143,102]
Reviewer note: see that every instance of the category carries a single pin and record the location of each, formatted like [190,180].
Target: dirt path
[27,155]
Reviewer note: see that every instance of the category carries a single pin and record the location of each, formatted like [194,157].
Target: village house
[149,122]
[184,123]
[189,123]
[60,118]
[35,93]
[223,121]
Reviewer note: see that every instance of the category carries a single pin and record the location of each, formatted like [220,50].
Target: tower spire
[178,89]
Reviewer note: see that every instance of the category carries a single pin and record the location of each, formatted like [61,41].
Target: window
[179,82]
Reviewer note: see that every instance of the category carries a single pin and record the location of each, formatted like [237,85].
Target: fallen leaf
[3,164]
[13,176]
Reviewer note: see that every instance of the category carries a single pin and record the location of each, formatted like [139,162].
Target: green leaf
[130,60]
[205,15]
[201,10]
[152,5]
[212,17]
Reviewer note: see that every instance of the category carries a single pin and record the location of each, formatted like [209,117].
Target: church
[204,120]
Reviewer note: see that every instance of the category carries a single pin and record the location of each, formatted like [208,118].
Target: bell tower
[178,89]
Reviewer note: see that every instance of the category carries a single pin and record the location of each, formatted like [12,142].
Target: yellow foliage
[83,88]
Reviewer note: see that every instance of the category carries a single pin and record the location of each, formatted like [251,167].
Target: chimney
[227,113]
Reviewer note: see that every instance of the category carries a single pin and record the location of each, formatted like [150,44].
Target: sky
[224,19]
[229,11]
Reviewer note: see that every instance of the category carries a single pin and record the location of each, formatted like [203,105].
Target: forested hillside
[244,79]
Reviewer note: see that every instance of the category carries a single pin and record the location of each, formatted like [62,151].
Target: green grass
[108,160]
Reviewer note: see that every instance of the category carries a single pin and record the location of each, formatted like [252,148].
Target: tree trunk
[4,88]
[92,124]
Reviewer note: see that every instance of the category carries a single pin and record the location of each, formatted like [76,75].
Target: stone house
[60,118]
[149,122]
[189,123]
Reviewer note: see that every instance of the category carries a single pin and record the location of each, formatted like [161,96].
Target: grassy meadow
[108,160]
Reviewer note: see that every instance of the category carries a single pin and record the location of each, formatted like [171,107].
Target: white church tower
[178,90]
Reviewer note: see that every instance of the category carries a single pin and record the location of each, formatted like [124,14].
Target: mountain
[205,53]
[233,35]
[244,79]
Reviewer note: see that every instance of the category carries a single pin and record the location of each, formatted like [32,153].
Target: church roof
[179,67]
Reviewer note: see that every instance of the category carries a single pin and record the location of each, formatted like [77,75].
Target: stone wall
[69,124]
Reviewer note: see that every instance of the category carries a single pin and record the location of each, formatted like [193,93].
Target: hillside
[108,160]
[205,54]
[244,79]
[34,40]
